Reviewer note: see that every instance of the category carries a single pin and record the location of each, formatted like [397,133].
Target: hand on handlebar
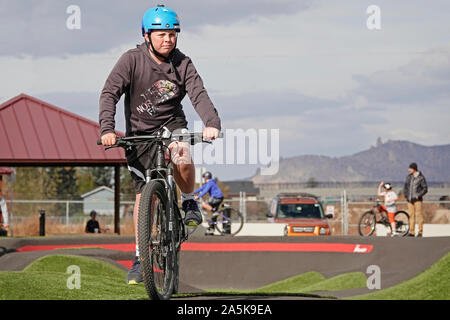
[210,133]
[108,139]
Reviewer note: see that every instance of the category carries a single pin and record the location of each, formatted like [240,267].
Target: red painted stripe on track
[115,246]
[277,247]
[126,263]
[229,247]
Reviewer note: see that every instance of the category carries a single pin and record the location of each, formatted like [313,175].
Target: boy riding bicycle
[155,78]
[214,200]
[389,203]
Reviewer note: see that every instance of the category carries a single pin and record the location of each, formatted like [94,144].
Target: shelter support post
[117,199]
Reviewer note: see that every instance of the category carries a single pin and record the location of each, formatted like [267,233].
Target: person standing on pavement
[414,190]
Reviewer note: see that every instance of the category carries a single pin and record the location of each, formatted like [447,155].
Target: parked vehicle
[301,212]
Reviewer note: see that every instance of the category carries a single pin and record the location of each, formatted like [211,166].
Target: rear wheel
[402,223]
[366,224]
[156,242]
[228,221]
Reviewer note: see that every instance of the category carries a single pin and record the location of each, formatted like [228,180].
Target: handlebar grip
[99,142]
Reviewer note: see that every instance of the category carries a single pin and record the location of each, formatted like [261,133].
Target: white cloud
[69,73]
[330,85]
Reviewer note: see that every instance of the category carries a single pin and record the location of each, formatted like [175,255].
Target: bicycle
[161,230]
[369,219]
[226,220]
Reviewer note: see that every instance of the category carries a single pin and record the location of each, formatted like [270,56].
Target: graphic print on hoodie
[160,92]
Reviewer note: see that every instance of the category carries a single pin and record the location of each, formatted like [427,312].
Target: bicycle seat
[226,205]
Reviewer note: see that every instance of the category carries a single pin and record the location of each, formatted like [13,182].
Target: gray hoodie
[153,93]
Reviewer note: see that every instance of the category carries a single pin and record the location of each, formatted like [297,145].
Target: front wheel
[402,223]
[156,242]
[228,221]
[367,224]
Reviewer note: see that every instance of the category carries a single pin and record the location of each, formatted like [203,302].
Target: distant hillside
[387,161]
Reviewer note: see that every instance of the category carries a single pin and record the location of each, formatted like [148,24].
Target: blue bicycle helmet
[160,18]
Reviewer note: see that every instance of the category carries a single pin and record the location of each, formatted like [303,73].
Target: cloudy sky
[312,69]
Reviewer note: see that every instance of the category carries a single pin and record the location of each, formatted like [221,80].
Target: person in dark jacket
[92,226]
[414,190]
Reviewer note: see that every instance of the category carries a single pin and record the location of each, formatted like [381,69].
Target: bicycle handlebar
[191,137]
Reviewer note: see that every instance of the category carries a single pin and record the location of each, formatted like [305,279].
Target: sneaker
[419,235]
[134,275]
[209,232]
[193,215]
[410,234]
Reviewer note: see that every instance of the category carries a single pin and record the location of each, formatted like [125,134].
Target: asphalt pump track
[249,262]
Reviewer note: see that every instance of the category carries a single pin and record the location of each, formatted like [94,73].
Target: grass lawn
[46,279]
[432,284]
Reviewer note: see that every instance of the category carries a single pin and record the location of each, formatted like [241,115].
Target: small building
[100,199]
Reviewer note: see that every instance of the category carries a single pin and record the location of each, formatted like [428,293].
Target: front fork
[176,217]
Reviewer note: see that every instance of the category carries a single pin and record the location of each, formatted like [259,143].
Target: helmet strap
[156,53]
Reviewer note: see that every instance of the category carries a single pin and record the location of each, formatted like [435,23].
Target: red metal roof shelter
[36,133]
[5,171]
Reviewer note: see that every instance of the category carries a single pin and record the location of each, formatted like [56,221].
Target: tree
[34,183]
[67,183]
[311,183]
[85,181]
[126,185]
[102,176]
[31,183]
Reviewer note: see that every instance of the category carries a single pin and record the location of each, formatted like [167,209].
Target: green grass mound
[303,285]
[313,281]
[294,284]
[432,284]
[88,266]
[346,281]
[47,279]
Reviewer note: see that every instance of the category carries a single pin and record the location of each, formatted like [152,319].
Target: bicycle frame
[378,208]
[217,214]
[164,173]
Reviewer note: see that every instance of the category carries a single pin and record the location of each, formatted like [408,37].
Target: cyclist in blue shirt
[215,196]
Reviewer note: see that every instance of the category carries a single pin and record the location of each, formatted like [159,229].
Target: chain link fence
[69,217]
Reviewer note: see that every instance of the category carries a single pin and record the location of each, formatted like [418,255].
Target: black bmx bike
[161,230]
[378,215]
